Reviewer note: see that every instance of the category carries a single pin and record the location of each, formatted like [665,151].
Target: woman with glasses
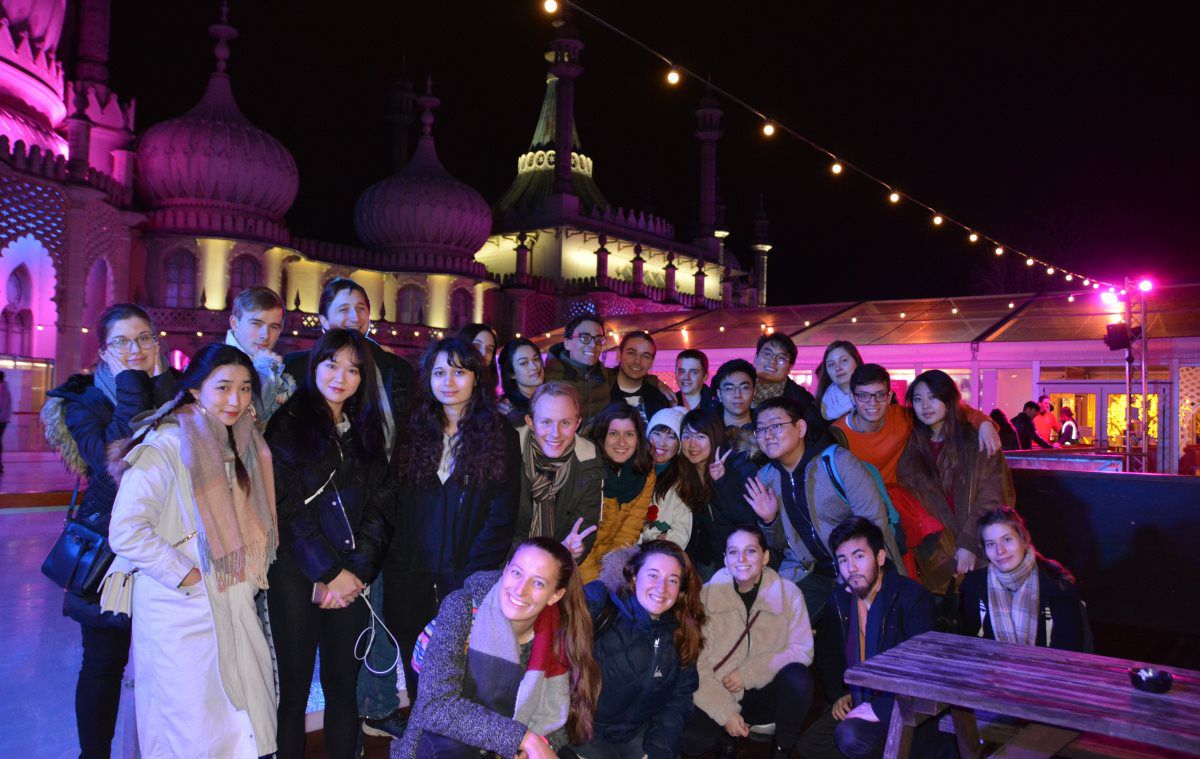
[83,416]
[833,378]
[521,373]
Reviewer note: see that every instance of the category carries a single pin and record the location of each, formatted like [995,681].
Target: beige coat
[782,635]
[154,509]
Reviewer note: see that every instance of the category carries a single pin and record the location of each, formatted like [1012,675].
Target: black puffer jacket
[643,682]
[94,423]
[446,532]
[1061,614]
[345,523]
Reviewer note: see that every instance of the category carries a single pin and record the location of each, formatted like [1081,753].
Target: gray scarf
[546,477]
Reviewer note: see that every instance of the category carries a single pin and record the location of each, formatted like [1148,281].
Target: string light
[1050,271]
[1095,285]
[162,334]
[1070,299]
[1087,282]
[854,320]
[1011,304]
[807,323]
[676,73]
[954,310]
[199,334]
[937,221]
[295,332]
[1069,277]
[903,315]
[84,330]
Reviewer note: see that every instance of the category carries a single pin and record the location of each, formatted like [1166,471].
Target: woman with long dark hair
[833,378]
[460,480]
[954,481]
[195,516]
[648,599]
[485,341]
[332,495]
[82,417]
[521,373]
[508,669]
[1020,596]
[620,434]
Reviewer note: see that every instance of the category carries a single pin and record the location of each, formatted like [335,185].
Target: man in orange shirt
[1046,421]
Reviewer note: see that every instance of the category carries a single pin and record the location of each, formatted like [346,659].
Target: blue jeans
[377,694]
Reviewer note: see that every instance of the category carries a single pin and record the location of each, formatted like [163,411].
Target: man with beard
[877,610]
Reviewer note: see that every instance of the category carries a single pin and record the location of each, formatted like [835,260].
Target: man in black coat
[345,304]
[774,358]
[1027,435]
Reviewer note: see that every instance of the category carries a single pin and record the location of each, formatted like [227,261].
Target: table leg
[966,732]
[900,730]
[1036,741]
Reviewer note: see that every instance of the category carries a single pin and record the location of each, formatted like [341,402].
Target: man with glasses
[734,386]
[254,328]
[576,361]
[773,359]
[799,503]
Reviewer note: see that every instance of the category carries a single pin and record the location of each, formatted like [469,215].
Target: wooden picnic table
[1061,693]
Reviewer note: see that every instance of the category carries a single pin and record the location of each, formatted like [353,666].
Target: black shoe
[391,726]
[779,752]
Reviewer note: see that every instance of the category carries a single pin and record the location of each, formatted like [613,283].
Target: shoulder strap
[827,458]
[738,642]
[74,500]
[604,619]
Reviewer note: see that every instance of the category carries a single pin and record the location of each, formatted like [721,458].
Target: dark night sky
[1068,131]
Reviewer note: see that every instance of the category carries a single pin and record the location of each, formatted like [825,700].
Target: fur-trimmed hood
[612,568]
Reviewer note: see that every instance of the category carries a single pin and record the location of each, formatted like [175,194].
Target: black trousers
[784,701]
[860,739]
[98,690]
[301,628]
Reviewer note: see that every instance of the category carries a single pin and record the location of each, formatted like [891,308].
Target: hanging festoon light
[1145,285]
[836,168]
[999,250]
[768,129]
[973,237]
[937,221]
[894,197]
[1030,262]
[1050,271]
[673,76]
[550,6]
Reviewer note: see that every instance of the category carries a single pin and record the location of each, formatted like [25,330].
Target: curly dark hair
[477,448]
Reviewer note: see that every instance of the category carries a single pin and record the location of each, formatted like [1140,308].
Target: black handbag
[80,557]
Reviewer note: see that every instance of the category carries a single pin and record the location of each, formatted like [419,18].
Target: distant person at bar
[1021,596]
[877,610]
[833,379]
[1046,423]
[1008,433]
[633,383]
[1027,434]
[691,374]
[576,361]
[1068,434]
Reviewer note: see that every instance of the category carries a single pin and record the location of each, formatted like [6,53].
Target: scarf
[543,689]
[625,484]
[764,390]
[238,532]
[546,477]
[107,381]
[1013,601]
[835,403]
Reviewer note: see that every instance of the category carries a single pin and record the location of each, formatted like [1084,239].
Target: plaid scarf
[543,689]
[764,390]
[546,477]
[238,531]
[1013,601]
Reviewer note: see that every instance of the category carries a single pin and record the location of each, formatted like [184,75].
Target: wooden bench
[997,730]
[1070,701]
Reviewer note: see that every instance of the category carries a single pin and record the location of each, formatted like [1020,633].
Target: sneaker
[391,726]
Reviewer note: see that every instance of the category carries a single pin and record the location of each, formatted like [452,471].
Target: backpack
[828,459]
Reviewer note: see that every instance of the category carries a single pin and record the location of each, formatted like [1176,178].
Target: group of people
[571,559]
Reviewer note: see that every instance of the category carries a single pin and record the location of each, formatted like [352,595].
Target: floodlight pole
[1128,381]
[1145,372]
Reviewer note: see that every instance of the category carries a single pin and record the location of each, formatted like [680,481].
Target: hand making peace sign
[574,540]
[716,470]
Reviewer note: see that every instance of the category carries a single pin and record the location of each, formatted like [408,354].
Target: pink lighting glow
[1108,298]
[1145,285]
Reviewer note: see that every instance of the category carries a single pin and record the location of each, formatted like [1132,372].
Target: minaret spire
[400,116]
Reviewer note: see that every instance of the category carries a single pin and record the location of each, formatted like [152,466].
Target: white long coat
[204,682]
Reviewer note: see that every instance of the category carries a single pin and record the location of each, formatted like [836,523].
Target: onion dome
[31,76]
[422,209]
[211,169]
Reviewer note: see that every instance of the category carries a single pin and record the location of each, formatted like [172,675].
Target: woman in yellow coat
[620,434]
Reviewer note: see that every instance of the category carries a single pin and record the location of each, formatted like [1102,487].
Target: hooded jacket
[594,383]
[644,684]
[781,635]
[1060,618]
[902,609]
[621,526]
[344,523]
[580,497]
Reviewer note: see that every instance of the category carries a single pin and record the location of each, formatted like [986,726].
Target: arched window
[244,273]
[16,321]
[410,305]
[179,280]
[462,308]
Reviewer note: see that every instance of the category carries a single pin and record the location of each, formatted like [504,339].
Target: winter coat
[708,399]
[826,507]
[399,380]
[668,518]
[982,482]
[714,521]
[446,532]
[906,610]
[781,635]
[580,496]
[644,685]
[154,510]
[332,512]
[444,704]
[1061,618]
[620,526]
[1027,435]
[594,383]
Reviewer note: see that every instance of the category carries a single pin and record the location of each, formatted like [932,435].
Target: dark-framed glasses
[881,397]
[586,339]
[771,429]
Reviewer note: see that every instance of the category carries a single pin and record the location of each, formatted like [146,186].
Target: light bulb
[807,324]
[937,221]
[999,250]
[836,168]
[1011,304]
[1087,282]
[673,77]
[1069,277]
[973,237]
[551,6]
[903,315]
[1095,285]
[854,320]
[1029,262]
[1145,285]
[1050,271]
[768,129]
[894,197]
[1070,299]
[954,310]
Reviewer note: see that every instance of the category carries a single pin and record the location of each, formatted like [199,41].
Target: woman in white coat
[195,515]
[757,648]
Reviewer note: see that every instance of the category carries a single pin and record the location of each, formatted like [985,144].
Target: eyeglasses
[586,339]
[124,344]
[742,389]
[770,357]
[881,397]
[771,429]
